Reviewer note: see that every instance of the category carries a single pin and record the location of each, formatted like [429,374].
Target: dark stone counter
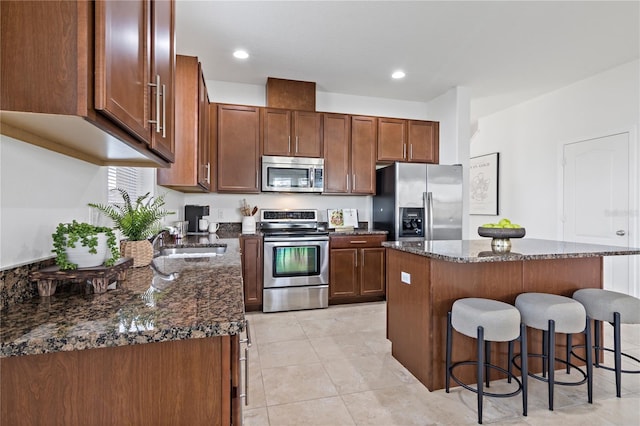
[205,300]
[475,251]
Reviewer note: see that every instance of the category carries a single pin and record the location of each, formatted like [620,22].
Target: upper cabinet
[122,63]
[407,140]
[363,155]
[77,86]
[291,133]
[191,171]
[238,142]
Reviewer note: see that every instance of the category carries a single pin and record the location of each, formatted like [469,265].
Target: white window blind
[128,178]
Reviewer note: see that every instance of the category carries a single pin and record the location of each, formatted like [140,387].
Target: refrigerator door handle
[428,210]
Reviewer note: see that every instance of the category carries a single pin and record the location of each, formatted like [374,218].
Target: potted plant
[137,221]
[82,245]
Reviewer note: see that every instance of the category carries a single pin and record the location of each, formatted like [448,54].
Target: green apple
[504,222]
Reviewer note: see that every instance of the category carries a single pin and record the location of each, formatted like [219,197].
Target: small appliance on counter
[193,214]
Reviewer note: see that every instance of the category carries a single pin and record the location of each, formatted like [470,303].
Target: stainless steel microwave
[292,174]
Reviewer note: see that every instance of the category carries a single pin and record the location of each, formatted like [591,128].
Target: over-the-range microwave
[292,174]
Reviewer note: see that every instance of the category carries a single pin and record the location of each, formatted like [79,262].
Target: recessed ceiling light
[398,74]
[241,54]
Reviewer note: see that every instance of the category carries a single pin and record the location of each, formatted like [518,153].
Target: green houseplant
[137,221]
[96,240]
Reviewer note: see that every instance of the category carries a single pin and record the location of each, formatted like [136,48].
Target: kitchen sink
[194,252]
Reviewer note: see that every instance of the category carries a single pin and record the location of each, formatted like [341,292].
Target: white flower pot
[80,255]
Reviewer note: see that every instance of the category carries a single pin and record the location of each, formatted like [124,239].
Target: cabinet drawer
[356,241]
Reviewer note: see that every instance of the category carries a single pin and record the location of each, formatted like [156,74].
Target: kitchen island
[424,278]
[137,354]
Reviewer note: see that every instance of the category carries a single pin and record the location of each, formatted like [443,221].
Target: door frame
[634,194]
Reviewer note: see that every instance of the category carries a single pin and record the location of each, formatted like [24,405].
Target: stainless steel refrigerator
[419,201]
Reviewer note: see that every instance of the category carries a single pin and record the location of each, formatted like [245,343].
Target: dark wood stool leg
[447,372]
[551,359]
[617,352]
[589,360]
[524,365]
[480,369]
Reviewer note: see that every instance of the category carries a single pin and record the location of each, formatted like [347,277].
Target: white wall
[39,190]
[530,136]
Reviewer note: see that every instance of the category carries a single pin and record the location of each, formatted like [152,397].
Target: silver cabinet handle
[357,242]
[164,110]
[248,339]
[245,394]
[157,86]
[289,143]
[354,182]
[347,181]
[297,144]
[208,166]
[620,232]
[411,152]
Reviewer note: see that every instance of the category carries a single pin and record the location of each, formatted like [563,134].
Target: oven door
[296,261]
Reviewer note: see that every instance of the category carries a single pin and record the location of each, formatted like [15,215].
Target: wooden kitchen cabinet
[191,171]
[291,133]
[407,140]
[251,252]
[193,381]
[356,268]
[89,87]
[363,155]
[337,148]
[349,154]
[238,143]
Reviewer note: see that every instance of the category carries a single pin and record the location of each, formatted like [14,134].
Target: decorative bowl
[501,233]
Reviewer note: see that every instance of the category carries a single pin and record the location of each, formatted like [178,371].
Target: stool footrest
[606,367]
[546,380]
[495,367]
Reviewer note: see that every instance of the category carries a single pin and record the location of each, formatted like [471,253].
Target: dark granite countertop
[473,251]
[205,300]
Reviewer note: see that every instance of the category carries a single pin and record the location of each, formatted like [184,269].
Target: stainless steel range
[296,261]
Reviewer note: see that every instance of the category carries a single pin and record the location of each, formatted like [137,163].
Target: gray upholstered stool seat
[601,304]
[501,321]
[538,308]
[552,314]
[486,321]
[616,309]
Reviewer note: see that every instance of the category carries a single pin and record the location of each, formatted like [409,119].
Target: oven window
[279,177]
[296,261]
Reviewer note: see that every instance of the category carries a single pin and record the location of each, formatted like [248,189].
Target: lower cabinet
[194,382]
[356,268]
[251,252]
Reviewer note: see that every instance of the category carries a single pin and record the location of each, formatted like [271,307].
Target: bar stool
[556,314]
[616,309]
[486,321]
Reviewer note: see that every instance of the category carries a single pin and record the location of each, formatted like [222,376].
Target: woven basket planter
[140,251]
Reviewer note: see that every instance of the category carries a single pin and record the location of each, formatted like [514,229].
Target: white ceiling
[505,51]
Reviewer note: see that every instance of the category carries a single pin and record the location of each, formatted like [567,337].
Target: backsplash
[15,286]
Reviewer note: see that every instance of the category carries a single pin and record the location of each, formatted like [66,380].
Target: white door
[596,201]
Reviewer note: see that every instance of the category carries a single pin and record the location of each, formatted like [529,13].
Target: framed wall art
[483,184]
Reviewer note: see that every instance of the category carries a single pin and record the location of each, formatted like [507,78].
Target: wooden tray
[98,276]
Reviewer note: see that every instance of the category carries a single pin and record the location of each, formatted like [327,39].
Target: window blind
[128,178]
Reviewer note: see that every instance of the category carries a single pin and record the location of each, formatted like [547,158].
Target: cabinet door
[238,148]
[276,132]
[163,70]
[251,248]
[204,167]
[423,141]
[392,139]
[336,152]
[307,130]
[363,155]
[343,276]
[372,271]
[122,64]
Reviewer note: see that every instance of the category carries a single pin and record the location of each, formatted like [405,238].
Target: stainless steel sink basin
[190,252]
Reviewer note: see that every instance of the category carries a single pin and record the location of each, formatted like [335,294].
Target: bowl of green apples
[501,233]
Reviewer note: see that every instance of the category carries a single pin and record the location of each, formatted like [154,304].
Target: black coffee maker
[193,214]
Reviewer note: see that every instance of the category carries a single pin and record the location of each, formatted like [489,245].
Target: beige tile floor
[334,367]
